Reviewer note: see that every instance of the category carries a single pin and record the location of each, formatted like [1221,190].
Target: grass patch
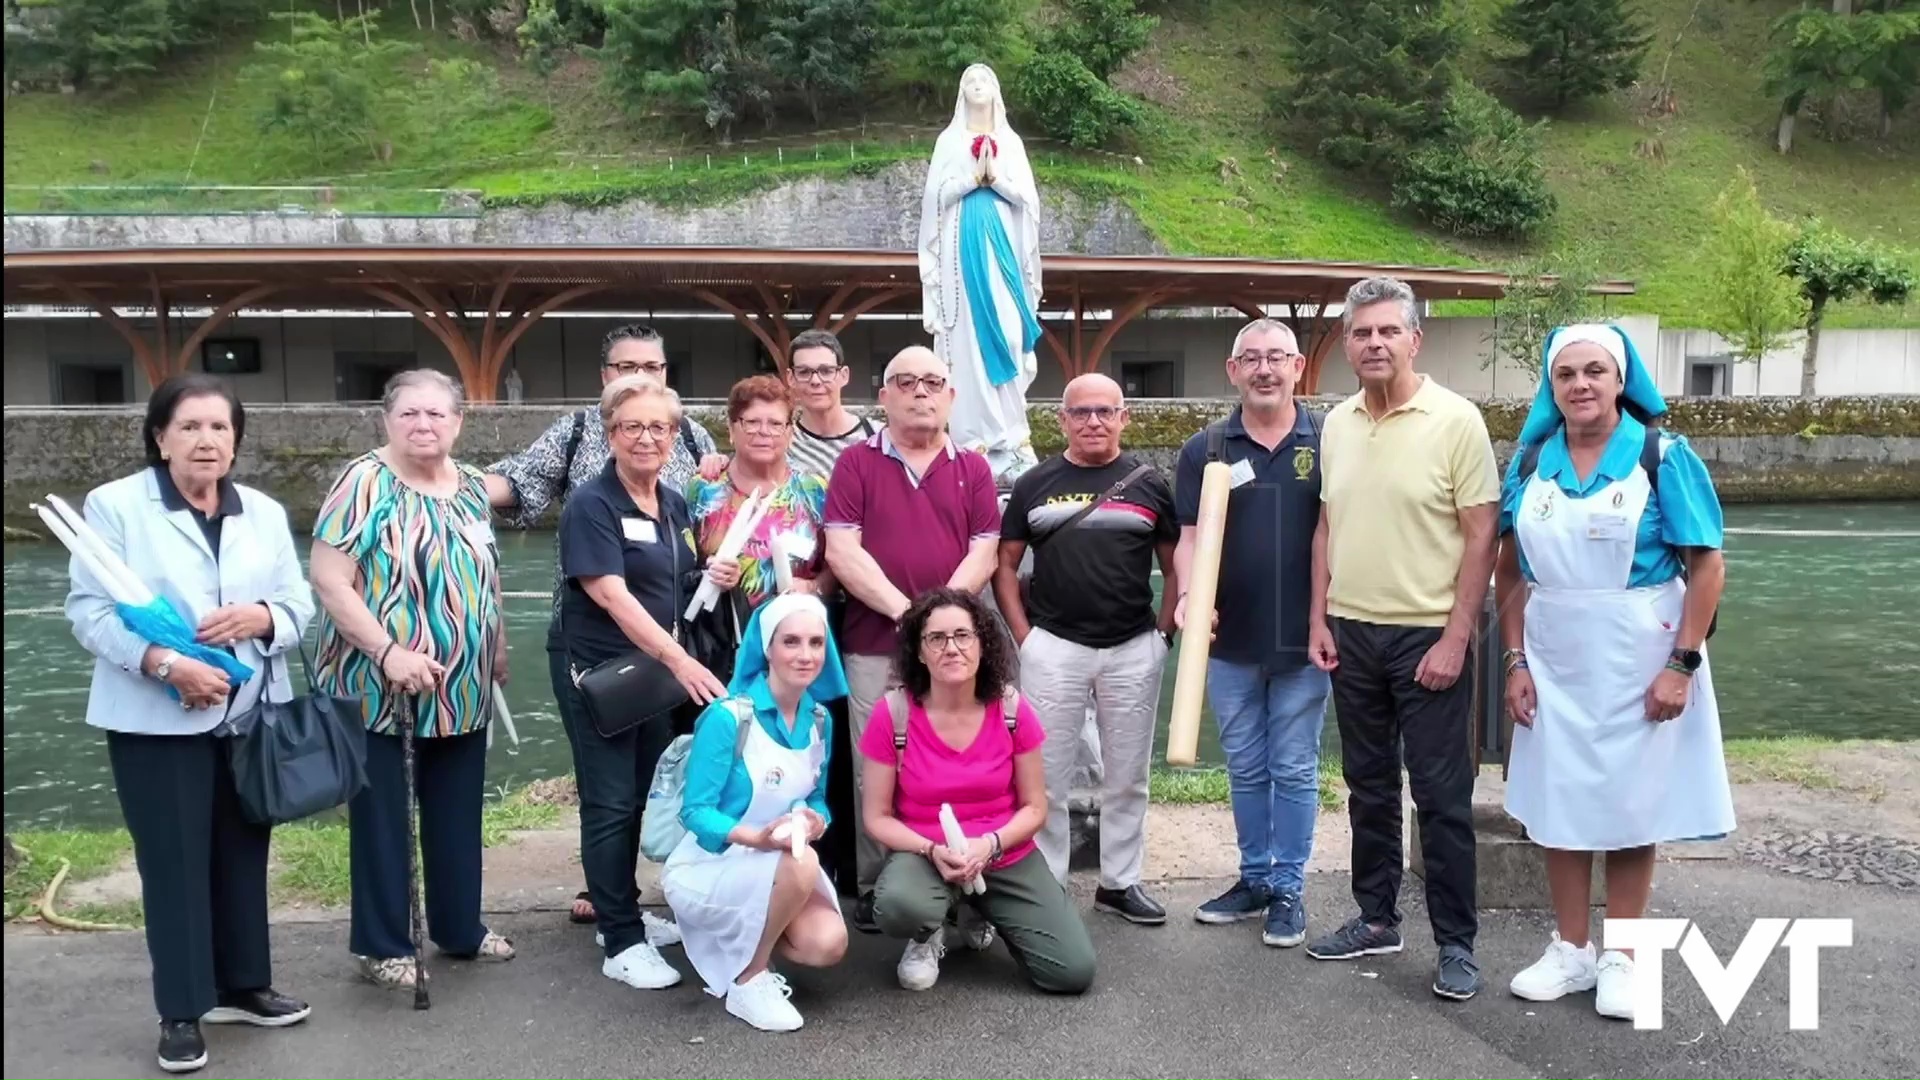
[1789,760]
[91,853]
[1203,787]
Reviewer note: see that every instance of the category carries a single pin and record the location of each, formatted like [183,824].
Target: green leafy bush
[1071,103]
[1482,176]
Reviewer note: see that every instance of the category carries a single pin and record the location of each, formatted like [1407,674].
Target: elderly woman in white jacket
[223,555]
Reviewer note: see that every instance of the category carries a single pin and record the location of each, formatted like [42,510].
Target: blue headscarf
[1636,381]
[750,667]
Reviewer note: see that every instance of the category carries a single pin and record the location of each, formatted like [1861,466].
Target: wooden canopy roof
[499,291]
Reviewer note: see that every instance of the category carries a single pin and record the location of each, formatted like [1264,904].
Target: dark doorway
[91,382]
[362,376]
[1149,378]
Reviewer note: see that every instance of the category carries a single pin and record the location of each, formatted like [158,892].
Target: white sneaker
[1615,998]
[762,1002]
[920,965]
[660,932]
[1562,970]
[641,967]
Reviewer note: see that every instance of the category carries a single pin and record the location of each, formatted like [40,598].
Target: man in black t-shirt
[1096,518]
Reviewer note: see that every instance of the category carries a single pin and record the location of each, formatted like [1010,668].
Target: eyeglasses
[1080,414]
[815,374]
[656,370]
[763,427]
[906,383]
[633,429]
[1256,361]
[938,640]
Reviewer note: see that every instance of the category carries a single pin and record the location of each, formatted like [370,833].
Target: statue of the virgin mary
[980,273]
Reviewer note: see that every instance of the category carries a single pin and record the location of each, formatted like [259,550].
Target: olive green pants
[1024,903]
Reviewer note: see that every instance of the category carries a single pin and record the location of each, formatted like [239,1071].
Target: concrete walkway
[1183,1000]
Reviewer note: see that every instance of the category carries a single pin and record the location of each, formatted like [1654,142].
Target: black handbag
[294,759]
[633,688]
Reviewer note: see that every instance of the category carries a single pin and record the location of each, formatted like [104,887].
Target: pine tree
[98,41]
[1370,78]
[823,48]
[1572,49]
[929,43]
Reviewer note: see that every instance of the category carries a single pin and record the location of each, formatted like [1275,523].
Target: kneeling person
[739,892]
[957,747]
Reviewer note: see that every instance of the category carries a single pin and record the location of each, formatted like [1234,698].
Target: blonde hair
[627,387]
[406,380]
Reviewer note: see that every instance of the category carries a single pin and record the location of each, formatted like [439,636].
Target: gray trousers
[868,679]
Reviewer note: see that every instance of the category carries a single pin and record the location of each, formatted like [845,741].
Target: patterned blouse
[798,506]
[429,569]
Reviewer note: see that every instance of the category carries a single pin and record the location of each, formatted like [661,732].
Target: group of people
[854,637]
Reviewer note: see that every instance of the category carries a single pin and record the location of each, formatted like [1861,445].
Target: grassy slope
[566,138]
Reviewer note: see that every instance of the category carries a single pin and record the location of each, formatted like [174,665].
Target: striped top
[814,455]
[429,572]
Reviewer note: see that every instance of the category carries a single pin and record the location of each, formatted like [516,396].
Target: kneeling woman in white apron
[1611,533]
[738,890]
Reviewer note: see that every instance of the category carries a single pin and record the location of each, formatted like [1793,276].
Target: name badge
[1242,473]
[639,530]
[480,534]
[1609,527]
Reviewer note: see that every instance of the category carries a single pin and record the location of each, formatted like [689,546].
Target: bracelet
[1677,666]
[927,852]
[995,857]
[380,665]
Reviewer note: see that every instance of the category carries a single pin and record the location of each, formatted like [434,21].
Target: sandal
[390,972]
[494,947]
[582,902]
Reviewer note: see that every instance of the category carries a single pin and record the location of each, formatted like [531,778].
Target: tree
[1064,86]
[1541,295]
[99,41]
[1572,49]
[824,48]
[1370,78]
[1481,176]
[1750,300]
[928,43]
[329,82]
[1832,268]
[1101,34]
[1818,55]
[651,51]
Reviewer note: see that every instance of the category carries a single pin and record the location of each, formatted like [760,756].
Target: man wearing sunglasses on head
[907,512]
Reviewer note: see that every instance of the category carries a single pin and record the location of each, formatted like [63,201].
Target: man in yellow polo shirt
[1402,560]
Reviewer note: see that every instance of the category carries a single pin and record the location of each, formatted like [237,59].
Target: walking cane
[405,714]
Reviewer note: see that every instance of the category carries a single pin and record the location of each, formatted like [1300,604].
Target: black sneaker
[863,920]
[261,1008]
[1237,904]
[1355,940]
[1132,904]
[182,1049]
[1286,921]
[1457,977]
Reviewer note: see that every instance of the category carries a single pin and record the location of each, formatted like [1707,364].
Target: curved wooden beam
[824,313]
[873,300]
[1060,353]
[491,363]
[1248,308]
[457,344]
[1121,317]
[214,321]
[493,313]
[774,313]
[143,354]
[715,300]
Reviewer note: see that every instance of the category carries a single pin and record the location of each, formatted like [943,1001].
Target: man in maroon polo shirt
[907,511]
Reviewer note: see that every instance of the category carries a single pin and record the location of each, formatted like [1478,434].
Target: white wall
[1850,362]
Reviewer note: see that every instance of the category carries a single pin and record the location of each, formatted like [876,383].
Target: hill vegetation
[1229,126]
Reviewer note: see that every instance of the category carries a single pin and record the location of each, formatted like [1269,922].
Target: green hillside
[1214,174]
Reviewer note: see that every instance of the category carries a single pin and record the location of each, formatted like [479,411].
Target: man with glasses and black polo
[907,511]
[822,427]
[570,454]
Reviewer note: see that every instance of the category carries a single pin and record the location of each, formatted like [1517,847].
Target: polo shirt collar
[1237,424]
[1617,461]
[760,693]
[172,499]
[617,491]
[1421,401]
[882,442]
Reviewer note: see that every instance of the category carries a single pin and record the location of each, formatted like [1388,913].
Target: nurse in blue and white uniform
[1611,534]
[737,886]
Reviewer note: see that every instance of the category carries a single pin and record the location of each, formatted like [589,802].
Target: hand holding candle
[957,843]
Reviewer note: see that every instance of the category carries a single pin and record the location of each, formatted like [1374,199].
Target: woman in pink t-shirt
[957,747]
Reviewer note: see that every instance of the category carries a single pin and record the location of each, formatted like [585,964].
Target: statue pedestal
[1511,870]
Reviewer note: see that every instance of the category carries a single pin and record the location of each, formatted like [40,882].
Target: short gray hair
[1261,326]
[1376,290]
[406,380]
[627,387]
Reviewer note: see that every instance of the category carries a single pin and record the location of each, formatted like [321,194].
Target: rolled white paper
[745,520]
[501,714]
[798,827]
[782,564]
[957,843]
[85,544]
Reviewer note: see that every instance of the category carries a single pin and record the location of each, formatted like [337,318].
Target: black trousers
[203,870]
[450,775]
[613,776]
[563,700]
[836,846]
[1381,708]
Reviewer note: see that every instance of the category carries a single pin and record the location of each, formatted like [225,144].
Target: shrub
[1071,103]
[1482,176]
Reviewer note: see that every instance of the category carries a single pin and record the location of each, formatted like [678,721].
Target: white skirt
[720,902]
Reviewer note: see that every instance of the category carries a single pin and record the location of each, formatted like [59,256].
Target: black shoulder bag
[293,759]
[633,688]
[1080,515]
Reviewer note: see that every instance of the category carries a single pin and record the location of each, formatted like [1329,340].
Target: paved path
[1183,1000]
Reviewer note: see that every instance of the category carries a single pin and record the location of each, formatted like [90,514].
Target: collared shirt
[604,534]
[1266,561]
[173,500]
[1684,513]
[718,789]
[1394,491]
[917,527]
[1092,585]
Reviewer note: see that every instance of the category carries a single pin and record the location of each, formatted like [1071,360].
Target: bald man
[907,512]
[1096,517]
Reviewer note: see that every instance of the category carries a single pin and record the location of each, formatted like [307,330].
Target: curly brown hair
[996,649]
[756,388]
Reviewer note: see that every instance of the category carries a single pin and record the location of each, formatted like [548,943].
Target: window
[362,376]
[90,382]
[231,356]
[1149,375]
[1708,378]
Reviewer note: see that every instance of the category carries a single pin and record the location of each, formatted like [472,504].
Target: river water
[1817,636]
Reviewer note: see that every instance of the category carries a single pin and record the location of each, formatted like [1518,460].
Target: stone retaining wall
[1759,450]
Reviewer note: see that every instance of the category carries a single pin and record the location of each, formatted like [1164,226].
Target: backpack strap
[1529,461]
[896,700]
[1216,439]
[743,720]
[686,439]
[1010,706]
[1652,453]
[573,450]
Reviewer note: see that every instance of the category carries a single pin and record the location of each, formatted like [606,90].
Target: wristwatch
[165,667]
[1689,659]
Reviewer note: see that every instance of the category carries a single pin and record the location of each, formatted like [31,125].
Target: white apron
[1593,773]
[720,900]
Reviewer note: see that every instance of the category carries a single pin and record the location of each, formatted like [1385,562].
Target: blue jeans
[1270,720]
